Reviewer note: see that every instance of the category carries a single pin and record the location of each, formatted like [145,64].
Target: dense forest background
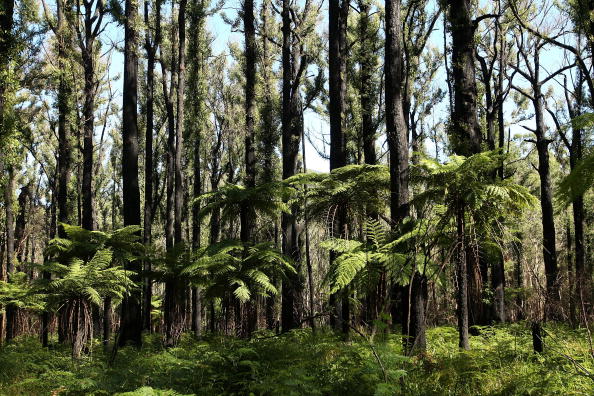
[245,169]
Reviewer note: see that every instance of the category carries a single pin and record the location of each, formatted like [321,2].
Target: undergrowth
[501,362]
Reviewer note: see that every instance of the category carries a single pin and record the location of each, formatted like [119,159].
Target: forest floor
[501,362]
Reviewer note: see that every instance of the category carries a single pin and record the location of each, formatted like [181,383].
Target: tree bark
[462,279]
[465,133]
[337,53]
[149,170]
[367,86]
[291,133]
[131,319]
[10,242]
[247,216]
[552,304]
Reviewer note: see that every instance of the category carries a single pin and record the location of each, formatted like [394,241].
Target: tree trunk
[179,127]
[462,279]
[131,318]
[88,216]
[196,54]
[291,133]
[337,53]
[367,86]
[269,135]
[149,170]
[10,257]
[247,216]
[552,304]
[465,133]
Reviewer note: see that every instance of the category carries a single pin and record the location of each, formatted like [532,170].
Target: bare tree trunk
[10,257]
[149,170]
[291,133]
[366,88]
[553,309]
[131,317]
[337,53]
[462,279]
[465,133]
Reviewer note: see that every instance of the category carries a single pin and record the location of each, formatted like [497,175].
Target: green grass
[501,362]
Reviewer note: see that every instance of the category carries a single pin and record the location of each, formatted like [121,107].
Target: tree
[337,52]
[531,70]
[472,198]
[131,322]
[149,171]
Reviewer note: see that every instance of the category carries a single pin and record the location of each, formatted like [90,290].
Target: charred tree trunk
[462,279]
[291,132]
[150,48]
[553,309]
[337,54]
[247,215]
[10,257]
[88,218]
[367,85]
[131,317]
[465,133]
[413,295]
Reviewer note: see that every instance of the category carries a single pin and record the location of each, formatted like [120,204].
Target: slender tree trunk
[552,304]
[337,53]
[179,128]
[366,87]
[269,135]
[519,273]
[64,147]
[465,133]
[291,133]
[88,216]
[310,282]
[148,168]
[582,283]
[247,216]
[462,279]
[197,92]
[10,257]
[175,288]
[131,317]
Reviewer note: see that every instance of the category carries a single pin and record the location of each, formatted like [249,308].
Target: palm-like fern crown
[470,181]
[92,280]
[83,244]
[245,269]
[20,292]
[268,199]
[357,188]
[87,264]
[359,263]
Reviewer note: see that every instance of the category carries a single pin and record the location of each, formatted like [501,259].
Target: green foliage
[580,180]
[357,262]
[21,293]
[92,280]
[83,244]
[268,199]
[298,363]
[88,264]
[242,269]
[357,188]
[469,183]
